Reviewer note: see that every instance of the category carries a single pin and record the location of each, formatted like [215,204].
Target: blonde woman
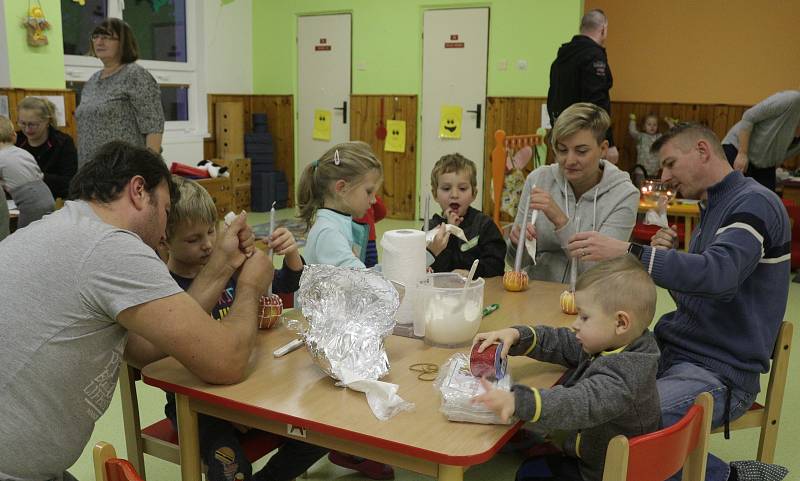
[580,192]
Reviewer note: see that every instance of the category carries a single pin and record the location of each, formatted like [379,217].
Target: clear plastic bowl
[451,316]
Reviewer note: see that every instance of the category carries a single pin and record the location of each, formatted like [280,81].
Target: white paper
[58,101]
[381,396]
[530,245]
[452,229]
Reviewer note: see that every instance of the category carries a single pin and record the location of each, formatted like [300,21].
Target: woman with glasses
[122,101]
[53,150]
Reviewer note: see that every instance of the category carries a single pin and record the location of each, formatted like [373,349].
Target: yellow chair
[161,440]
[108,467]
[767,416]
[659,455]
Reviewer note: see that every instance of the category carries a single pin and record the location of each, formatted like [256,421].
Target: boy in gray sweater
[610,387]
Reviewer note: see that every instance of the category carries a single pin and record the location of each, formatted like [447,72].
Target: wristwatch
[636,249]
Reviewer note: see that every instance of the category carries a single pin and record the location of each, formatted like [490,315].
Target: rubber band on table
[427,371]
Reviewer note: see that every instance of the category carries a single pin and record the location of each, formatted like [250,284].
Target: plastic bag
[458,386]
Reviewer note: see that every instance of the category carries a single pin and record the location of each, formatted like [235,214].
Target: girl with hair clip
[334,189]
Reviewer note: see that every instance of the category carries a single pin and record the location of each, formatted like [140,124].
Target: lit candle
[522,234]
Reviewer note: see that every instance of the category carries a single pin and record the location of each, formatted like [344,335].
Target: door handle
[477,111]
[343,108]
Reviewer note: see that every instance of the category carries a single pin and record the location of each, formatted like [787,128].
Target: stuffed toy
[214,170]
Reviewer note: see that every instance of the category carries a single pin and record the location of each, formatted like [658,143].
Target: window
[169,47]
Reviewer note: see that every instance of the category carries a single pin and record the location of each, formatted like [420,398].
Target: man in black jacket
[580,72]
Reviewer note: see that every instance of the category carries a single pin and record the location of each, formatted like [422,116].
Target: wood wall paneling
[280,123]
[399,169]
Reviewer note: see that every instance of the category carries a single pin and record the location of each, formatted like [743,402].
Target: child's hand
[633,117]
[440,240]
[499,401]
[282,241]
[453,217]
[508,336]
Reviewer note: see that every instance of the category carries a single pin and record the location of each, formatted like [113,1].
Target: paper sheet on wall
[395,136]
[450,122]
[322,125]
[4,106]
[58,101]
[545,117]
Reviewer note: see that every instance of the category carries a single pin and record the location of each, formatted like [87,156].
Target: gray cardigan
[774,122]
[602,396]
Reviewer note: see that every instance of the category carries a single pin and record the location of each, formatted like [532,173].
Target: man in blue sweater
[730,288]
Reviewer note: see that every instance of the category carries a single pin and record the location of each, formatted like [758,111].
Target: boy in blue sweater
[730,288]
[191,237]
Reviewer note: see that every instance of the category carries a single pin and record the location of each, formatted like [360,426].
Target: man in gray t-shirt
[83,289]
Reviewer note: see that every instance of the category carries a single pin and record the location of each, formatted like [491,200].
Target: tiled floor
[742,444]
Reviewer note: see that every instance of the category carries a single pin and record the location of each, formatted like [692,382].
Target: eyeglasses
[103,36]
[29,125]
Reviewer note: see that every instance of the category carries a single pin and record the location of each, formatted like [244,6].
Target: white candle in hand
[427,213]
[521,241]
[573,268]
[271,226]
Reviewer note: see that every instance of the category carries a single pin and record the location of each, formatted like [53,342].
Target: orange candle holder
[270,311]
[514,281]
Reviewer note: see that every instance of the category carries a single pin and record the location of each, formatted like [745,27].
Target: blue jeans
[679,383]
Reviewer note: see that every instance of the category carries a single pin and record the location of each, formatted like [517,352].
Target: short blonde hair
[194,207]
[454,163]
[621,284]
[6,130]
[43,107]
[577,117]
[349,161]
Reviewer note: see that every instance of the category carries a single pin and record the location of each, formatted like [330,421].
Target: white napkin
[452,229]
[381,396]
[658,216]
[530,245]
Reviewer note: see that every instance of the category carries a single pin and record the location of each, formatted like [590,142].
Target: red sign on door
[322,47]
[454,45]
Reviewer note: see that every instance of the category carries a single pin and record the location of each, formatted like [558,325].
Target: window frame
[79,68]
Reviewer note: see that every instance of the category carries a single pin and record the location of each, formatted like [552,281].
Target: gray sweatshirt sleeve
[632,130]
[768,108]
[511,250]
[594,400]
[556,345]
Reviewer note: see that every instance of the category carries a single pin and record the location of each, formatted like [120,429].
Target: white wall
[229,46]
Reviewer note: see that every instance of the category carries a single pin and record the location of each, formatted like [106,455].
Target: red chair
[659,455]
[108,467]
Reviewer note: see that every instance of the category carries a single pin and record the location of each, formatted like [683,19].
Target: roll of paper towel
[404,262]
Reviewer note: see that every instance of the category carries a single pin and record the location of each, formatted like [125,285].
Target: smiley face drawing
[322,125]
[450,122]
[396,138]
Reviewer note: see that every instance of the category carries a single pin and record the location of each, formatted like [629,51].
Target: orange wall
[702,51]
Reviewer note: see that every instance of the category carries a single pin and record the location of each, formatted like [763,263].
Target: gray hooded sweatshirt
[609,208]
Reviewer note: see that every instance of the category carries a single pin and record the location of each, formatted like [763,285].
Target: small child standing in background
[375,214]
[21,177]
[612,359]
[191,239]
[644,140]
[454,185]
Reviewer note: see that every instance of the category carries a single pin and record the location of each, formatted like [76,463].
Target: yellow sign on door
[322,125]
[395,136]
[450,122]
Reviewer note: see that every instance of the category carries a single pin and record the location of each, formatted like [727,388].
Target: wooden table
[291,396]
[689,212]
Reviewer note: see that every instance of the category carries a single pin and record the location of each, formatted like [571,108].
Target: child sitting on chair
[454,185]
[191,238]
[612,359]
[21,176]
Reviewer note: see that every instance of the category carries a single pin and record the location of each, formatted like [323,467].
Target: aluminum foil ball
[515,281]
[567,301]
[349,312]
